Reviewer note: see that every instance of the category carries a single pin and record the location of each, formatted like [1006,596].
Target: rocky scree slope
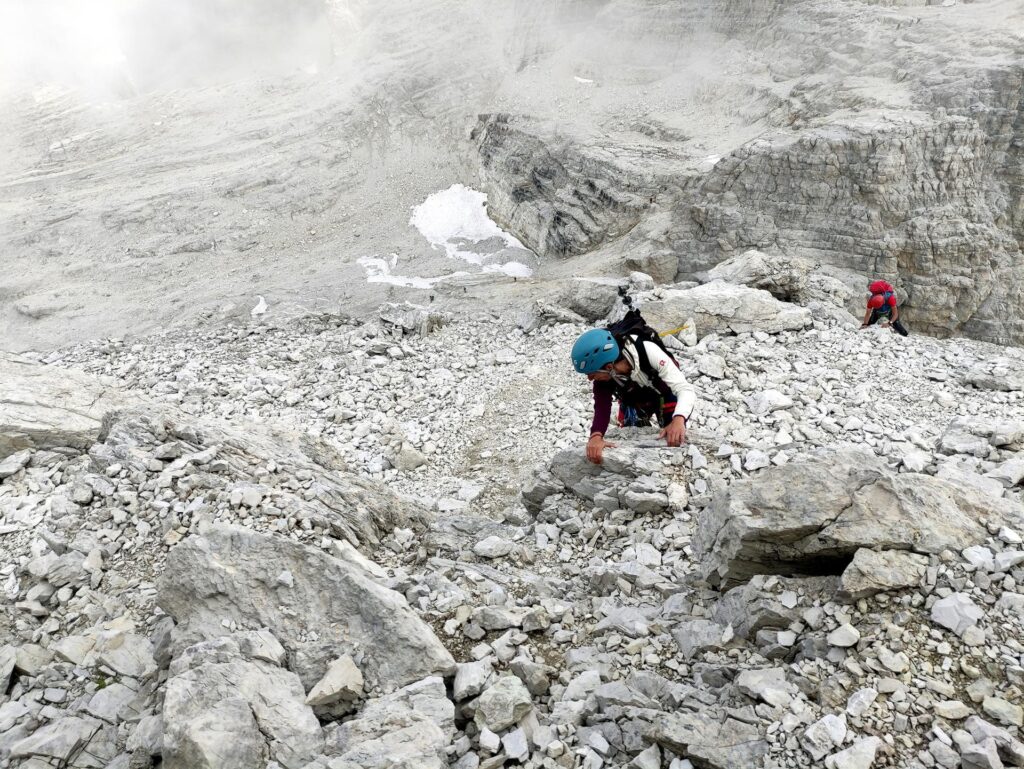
[829,572]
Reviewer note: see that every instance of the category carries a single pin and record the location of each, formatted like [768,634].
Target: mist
[120,48]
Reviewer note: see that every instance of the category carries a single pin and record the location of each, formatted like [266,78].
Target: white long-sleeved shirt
[668,372]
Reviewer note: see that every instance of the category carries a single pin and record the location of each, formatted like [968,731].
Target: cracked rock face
[921,184]
[257,581]
[224,710]
[40,411]
[798,518]
[713,740]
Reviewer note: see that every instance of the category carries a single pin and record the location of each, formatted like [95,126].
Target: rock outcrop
[225,708]
[724,308]
[812,517]
[41,410]
[249,580]
[919,184]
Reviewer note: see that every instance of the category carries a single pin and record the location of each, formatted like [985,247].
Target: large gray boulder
[411,318]
[410,728]
[724,308]
[873,572]
[812,517]
[1001,374]
[711,739]
[61,741]
[223,710]
[41,407]
[591,298]
[317,606]
[784,277]
[791,278]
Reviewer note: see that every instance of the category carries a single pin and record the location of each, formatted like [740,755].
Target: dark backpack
[634,328]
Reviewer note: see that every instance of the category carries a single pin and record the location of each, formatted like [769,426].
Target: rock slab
[233,574]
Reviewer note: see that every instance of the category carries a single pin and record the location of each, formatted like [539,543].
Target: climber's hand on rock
[675,433]
[596,446]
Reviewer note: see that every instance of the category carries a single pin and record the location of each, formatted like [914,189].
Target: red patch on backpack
[880,287]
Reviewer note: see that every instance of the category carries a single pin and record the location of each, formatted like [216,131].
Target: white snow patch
[451,218]
[380,270]
[512,269]
[454,220]
[712,159]
[579,79]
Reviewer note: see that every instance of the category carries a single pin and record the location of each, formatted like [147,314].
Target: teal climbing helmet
[594,350]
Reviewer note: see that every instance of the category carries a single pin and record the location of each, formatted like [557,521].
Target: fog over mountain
[164,160]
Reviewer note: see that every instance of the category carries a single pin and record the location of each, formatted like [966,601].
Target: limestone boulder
[812,517]
[873,572]
[725,308]
[710,739]
[224,710]
[60,742]
[234,574]
[410,728]
[784,277]
[411,318]
[591,298]
[44,408]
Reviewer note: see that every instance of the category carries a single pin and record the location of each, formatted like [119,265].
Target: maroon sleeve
[602,407]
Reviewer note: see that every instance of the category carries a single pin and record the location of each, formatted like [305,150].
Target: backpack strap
[641,356]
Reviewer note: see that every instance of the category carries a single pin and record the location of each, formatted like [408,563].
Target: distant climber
[628,361]
[882,306]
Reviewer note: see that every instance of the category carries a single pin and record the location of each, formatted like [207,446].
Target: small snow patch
[512,269]
[454,218]
[579,79]
[379,270]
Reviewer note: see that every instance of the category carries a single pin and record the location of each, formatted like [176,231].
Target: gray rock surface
[873,571]
[590,298]
[956,612]
[217,711]
[711,739]
[860,755]
[39,410]
[411,727]
[503,704]
[598,609]
[724,308]
[233,573]
[828,508]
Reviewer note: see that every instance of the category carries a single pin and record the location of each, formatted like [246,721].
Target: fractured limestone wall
[898,152]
